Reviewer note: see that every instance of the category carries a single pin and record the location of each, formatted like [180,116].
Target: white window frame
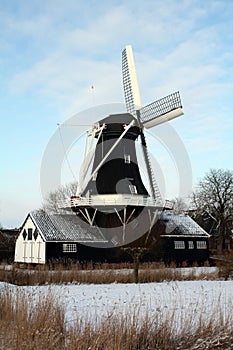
[191,244]
[179,245]
[201,245]
[69,248]
[133,189]
[127,158]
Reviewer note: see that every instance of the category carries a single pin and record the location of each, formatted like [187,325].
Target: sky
[53,52]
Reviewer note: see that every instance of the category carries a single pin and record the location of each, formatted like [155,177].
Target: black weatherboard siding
[120,172]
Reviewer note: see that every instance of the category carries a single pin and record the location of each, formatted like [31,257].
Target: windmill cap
[124,118]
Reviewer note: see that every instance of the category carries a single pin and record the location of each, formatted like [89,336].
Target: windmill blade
[161,111]
[130,82]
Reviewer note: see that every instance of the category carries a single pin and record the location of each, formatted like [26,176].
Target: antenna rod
[92,95]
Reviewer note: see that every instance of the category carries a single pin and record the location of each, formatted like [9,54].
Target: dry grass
[26,326]
[74,275]
[29,322]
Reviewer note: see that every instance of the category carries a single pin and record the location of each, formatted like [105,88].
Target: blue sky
[52,52]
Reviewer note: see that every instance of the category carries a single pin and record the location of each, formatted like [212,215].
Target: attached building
[183,239]
[60,237]
[46,237]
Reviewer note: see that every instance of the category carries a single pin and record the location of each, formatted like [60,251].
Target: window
[179,245]
[201,245]
[133,189]
[69,248]
[24,234]
[191,245]
[127,158]
[30,234]
[35,234]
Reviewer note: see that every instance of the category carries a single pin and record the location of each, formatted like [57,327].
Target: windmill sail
[130,82]
[155,113]
[161,111]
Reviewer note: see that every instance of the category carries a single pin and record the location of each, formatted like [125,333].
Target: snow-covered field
[176,300]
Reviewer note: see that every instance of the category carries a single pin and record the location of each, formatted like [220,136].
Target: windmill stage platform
[114,200]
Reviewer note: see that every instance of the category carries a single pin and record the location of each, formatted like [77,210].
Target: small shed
[45,237]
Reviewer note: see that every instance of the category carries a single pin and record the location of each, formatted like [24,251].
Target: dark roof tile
[182,225]
[65,227]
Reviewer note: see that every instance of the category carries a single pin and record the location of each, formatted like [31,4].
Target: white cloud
[56,52]
[177,50]
[70,79]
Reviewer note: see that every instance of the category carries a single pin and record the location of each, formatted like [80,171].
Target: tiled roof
[69,227]
[182,225]
[65,227]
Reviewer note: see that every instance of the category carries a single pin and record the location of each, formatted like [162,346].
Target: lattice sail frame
[130,81]
[162,110]
[155,113]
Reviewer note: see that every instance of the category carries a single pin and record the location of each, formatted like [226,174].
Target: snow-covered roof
[65,227]
[70,227]
[182,225]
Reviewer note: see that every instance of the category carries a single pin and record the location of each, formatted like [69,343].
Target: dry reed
[29,322]
[74,275]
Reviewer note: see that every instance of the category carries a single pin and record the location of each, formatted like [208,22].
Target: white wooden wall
[30,251]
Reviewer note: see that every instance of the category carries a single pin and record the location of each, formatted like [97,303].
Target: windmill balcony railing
[113,200]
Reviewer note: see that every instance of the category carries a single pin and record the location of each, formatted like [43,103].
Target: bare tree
[179,206]
[56,199]
[214,198]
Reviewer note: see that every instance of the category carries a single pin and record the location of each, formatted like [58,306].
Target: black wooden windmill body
[111,193]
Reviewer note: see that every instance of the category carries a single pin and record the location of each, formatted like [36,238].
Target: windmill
[111,193]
